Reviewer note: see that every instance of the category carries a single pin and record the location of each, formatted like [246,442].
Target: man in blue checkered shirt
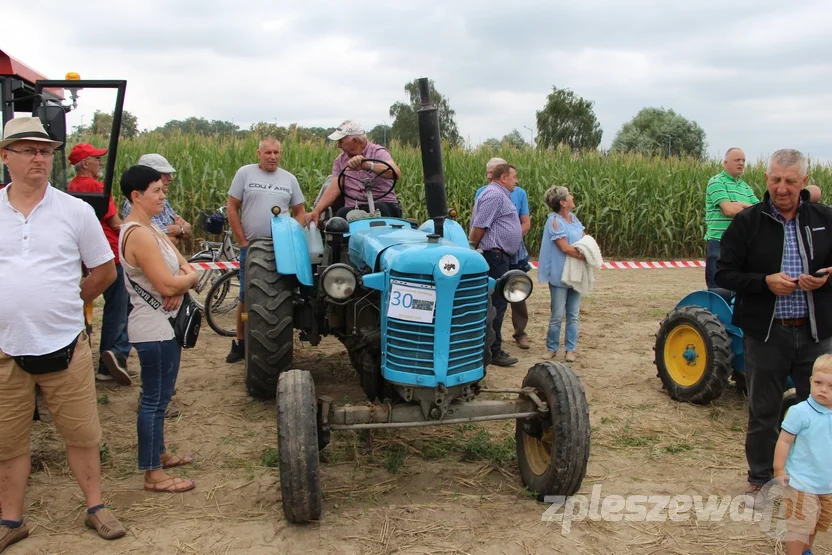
[776,256]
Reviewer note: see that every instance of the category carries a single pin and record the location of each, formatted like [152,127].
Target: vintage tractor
[698,349]
[412,307]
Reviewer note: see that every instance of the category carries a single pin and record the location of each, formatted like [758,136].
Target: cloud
[753,73]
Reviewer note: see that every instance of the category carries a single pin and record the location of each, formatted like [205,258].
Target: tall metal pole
[430,143]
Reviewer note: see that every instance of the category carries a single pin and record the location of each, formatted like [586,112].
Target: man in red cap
[114,347]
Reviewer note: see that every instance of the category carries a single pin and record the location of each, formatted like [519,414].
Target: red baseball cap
[83,151]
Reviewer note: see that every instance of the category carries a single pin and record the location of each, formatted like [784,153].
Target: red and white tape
[215,265]
[623,265]
[633,265]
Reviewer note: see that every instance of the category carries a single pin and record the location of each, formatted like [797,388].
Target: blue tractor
[698,349]
[411,305]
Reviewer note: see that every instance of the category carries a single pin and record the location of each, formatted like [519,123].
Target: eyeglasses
[32,152]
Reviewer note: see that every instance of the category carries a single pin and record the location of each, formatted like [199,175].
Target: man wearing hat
[356,148]
[114,347]
[167,220]
[49,234]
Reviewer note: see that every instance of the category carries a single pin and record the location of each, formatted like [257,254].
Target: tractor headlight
[515,286]
[339,281]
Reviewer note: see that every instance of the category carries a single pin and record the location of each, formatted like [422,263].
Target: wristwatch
[372,167]
[181,231]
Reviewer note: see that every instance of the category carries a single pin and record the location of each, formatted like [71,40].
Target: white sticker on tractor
[411,302]
[449,265]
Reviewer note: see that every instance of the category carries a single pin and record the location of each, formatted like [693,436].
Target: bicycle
[205,289]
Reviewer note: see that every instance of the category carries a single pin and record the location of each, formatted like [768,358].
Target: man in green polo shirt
[726,196]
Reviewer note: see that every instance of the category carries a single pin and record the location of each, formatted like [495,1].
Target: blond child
[802,462]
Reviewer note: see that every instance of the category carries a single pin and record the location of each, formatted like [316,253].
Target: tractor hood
[411,251]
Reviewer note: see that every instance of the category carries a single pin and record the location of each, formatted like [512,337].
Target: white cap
[349,127]
[157,162]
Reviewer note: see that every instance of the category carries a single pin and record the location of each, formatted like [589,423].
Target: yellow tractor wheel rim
[538,451]
[685,355]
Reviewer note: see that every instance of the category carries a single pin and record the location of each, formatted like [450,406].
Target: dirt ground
[445,490]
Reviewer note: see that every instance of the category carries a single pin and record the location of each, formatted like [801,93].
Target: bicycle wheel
[221,304]
[206,278]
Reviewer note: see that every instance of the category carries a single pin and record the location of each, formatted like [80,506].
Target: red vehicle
[24,91]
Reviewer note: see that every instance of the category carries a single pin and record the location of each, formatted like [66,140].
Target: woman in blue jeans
[156,277]
[562,229]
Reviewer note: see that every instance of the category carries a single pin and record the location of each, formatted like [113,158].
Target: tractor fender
[291,253]
[451,231]
[719,307]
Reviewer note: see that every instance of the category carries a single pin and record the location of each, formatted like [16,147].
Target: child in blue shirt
[803,462]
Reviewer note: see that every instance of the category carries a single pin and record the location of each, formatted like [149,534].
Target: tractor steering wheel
[366,182]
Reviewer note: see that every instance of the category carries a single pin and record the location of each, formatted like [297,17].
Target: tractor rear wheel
[552,452]
[297,447]
[269,324]
[693,355]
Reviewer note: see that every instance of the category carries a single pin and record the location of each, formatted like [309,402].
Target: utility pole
[531,137]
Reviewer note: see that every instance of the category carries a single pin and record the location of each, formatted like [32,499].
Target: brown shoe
[106,524]
[570,356]
[9,536]
[523,341]
[172,411]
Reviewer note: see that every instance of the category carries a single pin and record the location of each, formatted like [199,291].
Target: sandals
[173,484]
[175,460]
[105,524]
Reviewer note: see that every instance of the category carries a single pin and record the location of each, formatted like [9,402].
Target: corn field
[635,207]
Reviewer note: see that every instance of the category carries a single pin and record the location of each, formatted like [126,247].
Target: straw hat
[26,129]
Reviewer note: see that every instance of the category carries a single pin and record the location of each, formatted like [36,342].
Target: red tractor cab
[24,91]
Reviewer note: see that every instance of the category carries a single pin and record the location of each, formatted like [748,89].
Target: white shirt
[41,309]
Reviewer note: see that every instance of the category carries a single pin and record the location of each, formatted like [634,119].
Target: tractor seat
[727,295]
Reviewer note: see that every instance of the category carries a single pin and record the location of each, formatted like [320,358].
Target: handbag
[187,321]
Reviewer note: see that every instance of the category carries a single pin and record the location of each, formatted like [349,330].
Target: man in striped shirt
[726,196]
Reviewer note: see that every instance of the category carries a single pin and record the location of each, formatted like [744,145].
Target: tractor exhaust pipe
[431,146]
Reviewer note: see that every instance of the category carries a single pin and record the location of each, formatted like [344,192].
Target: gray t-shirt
[259,191]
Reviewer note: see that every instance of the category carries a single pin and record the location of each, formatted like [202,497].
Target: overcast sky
[756,74]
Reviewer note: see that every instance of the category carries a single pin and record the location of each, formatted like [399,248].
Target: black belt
[792,322]
[499,251]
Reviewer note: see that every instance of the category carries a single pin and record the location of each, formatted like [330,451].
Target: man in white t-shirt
[47,235]
[257,188]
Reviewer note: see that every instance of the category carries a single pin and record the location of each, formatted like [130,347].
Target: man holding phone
[777,255]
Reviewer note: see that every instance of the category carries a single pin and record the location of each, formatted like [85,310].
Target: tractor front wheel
[693,355]
[269,325]
[297,447]
[552,452]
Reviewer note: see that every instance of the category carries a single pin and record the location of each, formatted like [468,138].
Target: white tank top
[145,322]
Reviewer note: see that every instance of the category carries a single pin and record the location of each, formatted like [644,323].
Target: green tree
[656,131]
[405,126]
[102,125]
[381,135]
[567,119]
[491,144]
[515,140]
[199,126]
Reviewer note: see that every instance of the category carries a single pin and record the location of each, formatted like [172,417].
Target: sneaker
[101,377]
[754,497]
[523,341]
[172,411]
[571,356]
[117,368]
[238,351]
[9,536]
[503,359]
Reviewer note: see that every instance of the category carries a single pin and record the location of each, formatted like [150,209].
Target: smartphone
[820,273]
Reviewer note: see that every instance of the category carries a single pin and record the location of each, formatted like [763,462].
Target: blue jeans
[565,301]
[710,263]
[243,251]
[789,352]
[160,366]
[114,321]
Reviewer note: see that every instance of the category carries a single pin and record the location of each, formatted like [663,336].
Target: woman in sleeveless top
[562,229]
[156,277]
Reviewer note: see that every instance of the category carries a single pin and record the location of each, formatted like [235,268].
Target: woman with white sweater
[562,230]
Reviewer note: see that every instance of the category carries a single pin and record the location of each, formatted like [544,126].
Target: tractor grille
[468,326]
[410,345]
